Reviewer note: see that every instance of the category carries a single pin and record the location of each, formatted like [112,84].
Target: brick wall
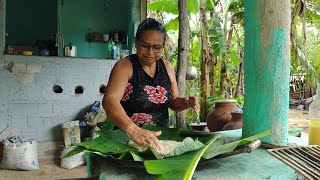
[28,103]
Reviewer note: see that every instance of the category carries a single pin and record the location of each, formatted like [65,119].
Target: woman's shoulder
[124,63]
[123,66]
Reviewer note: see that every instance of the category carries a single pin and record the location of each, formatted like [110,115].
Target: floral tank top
[146,100]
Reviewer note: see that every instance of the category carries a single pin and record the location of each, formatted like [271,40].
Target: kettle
[70,50]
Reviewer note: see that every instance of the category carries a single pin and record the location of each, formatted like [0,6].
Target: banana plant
[305,41]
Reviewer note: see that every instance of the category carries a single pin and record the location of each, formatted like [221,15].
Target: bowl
[198,126]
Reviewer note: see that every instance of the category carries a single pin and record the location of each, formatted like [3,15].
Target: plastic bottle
[114,52]
[118,52]
[109,48]
[314,118]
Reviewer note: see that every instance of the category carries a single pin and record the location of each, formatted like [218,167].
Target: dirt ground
[46,172]
[297,119]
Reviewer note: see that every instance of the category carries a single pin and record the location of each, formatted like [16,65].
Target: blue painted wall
[27,21]
[78,16]
[30,20]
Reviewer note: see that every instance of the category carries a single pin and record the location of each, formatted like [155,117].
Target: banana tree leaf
[125,155]
[76,150]
[136,157]
[174,148]
[102,144]
[168,6]
[107,125]
[167,133]
[173,24]
[117,135]
[187,145]
[202,136]
[216,150]
[179,167]
[115,141]
[193,7]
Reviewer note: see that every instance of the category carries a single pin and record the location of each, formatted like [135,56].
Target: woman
[143,86]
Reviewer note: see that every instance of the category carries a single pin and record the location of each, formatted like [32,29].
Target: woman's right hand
[145,137]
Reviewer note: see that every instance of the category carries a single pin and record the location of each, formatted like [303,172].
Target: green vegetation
[223,54]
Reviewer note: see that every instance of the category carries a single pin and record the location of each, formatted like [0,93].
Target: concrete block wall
[28,104]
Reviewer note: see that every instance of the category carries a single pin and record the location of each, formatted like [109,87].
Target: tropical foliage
[216,42]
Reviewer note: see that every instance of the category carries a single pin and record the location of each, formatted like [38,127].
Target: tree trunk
[182,56]
[223,75]
[239,86]
[223,72]
[211,74]
[267,69]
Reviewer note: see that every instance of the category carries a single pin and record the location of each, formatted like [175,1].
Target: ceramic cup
[105,37]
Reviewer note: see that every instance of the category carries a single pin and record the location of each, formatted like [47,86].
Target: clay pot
[236,121]
[220,115]
[198,126]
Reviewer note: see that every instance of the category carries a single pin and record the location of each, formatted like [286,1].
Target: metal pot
[70,50]
[191,73]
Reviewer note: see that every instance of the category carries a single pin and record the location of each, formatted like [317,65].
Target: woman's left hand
[191,102]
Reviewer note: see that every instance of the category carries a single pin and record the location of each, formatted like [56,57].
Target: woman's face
[150,46]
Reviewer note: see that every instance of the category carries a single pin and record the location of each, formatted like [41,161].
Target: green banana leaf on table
[115,143]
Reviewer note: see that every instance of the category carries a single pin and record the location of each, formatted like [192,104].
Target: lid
[237,111]
[225,101]
[198,124]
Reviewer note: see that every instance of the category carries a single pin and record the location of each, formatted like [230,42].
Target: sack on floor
[19,153]
[72,161]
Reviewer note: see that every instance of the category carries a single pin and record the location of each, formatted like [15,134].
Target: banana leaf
[168,6]
[113,143]
[216,150]
[178,167]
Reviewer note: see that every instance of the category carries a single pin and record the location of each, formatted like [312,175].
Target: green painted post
[267,69]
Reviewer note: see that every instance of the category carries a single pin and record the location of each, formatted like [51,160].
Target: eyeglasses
[146,47]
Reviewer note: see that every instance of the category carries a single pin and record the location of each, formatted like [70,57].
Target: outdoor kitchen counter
[258,164]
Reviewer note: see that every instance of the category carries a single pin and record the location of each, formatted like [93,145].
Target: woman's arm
[179,103]
[117,83]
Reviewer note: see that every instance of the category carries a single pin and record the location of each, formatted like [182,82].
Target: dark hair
[150,24]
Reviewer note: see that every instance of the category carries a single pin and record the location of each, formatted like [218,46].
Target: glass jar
[314,119]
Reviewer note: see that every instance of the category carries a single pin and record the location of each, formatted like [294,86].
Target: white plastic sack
[72,161]
[19,153]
